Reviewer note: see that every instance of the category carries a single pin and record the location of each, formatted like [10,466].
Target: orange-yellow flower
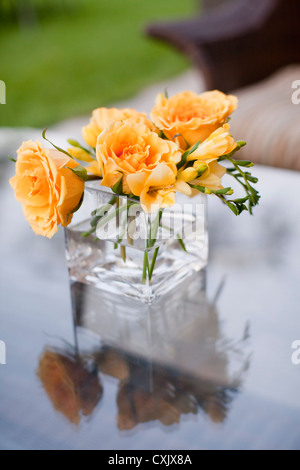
[101,117]
[219,143]
[146,162]
[193,117]
[46,187]
[206,171]
[211,179]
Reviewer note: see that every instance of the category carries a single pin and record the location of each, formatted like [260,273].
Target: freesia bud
[74,143]
[80,154]
[200,167]
[188,174]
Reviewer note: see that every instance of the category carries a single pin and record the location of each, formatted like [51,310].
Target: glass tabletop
[203,368]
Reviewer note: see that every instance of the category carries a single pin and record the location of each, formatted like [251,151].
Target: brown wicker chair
[242,43]
[239,43]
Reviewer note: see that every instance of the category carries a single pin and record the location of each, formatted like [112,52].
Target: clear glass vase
[115,246]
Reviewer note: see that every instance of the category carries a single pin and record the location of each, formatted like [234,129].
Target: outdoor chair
[236,47]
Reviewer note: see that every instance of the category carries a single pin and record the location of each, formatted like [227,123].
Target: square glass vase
[115,246]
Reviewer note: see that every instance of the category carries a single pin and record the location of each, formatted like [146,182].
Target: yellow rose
[147,163]
[101,117]
[192,116]
[47,189]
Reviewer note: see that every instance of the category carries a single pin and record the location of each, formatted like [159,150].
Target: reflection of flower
[135,406]
[188,366]
[171,396]
[111,363]
[73,390]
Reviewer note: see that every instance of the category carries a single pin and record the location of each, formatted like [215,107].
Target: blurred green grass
[91,55]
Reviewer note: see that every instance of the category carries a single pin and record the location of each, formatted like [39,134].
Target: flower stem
[154,228]
[152,236]
[153,263]
[123,252]
[145,267]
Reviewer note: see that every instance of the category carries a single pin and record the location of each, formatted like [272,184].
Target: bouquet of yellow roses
[180,149]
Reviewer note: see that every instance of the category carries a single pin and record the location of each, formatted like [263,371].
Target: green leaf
[79,171]
[242,207]
[118,187]
[254,196]
[187,154]
[162,135]
[251,178]
[12,159]
[232,170]
[222,191]
[233,208]
[194,147]
[182,161]
[244,163]
[241,200]
[241,143]
[53,145]
[244,178]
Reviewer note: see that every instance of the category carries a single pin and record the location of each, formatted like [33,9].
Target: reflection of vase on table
[169,361]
